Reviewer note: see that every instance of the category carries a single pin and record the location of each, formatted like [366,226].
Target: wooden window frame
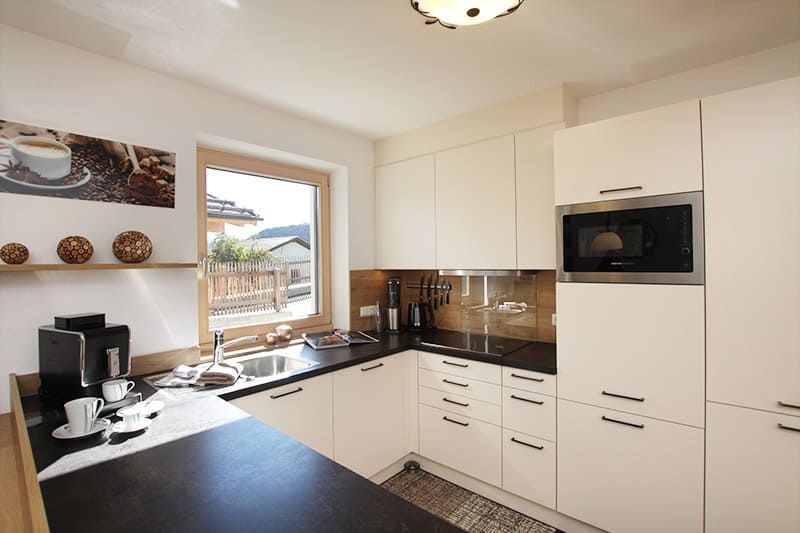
[236,163]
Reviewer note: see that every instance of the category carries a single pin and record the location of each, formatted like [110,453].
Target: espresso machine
[394,305]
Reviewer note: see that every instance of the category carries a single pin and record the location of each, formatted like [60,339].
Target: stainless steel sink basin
[272,365]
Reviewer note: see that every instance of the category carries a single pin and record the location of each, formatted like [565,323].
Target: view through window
[263,237]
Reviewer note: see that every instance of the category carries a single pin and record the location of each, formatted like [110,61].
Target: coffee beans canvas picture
[47,162]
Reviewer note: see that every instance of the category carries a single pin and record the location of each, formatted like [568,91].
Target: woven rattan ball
[132,247]
[14,253]
[75,249]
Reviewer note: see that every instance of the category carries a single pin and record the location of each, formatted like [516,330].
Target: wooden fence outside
[266,285]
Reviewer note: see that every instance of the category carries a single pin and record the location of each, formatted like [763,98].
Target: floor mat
[459,506]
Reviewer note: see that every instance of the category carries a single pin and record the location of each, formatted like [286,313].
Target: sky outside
[279,203]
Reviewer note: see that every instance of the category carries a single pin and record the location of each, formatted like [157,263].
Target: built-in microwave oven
[653,239]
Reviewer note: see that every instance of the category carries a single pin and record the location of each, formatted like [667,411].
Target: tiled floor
[457,505]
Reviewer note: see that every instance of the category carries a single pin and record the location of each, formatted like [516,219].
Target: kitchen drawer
[633,348]
[529,467]
[464,444]
[461,405]
[460,367]
[752,471]
[627,473]
[529,380]
[471,388]
[531,413]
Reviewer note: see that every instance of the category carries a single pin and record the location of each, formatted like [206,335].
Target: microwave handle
[622,189]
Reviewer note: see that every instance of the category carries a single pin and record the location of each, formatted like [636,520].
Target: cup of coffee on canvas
[49,158]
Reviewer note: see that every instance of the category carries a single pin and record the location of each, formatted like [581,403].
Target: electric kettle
[420,316]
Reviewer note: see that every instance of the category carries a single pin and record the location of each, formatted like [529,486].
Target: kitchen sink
[272,365]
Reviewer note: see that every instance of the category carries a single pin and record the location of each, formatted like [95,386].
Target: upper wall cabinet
[643,154]
[536,222]
[475,204]
[405,214]
[751,144]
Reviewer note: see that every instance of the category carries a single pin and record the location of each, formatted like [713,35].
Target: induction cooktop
[472,342]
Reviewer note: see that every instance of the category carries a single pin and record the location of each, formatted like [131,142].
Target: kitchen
[399,209]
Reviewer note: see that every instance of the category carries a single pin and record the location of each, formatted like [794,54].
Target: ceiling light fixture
[454,13]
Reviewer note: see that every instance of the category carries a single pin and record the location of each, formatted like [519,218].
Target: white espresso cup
[131,417]
[116,389]
[47,157]
[82,413]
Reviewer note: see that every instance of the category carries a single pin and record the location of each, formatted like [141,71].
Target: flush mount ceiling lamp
[454,13]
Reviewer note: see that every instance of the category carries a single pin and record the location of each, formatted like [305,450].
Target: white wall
[49,84]
[762,67]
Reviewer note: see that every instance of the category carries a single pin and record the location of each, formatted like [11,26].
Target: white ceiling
[374,68]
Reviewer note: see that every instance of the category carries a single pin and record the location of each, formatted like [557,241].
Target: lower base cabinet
[627,473]
[464,444]
[302,410]
[529,467]
[752,471]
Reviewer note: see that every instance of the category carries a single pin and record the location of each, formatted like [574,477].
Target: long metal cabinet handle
[465,424]
[634,398]
[372,367]
[448,400]
[276,396]
[456,383]
[537,402]
[790,428]
[622,189]
[790,405]
[631,424]
[454,364]
[527,444]
[539,380]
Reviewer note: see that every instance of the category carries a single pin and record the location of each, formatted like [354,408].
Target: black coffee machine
[78,353]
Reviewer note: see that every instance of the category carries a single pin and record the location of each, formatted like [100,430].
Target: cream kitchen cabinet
[627,473]
[530,413]
[475,206]
[642,154]
[751,148]
[302,410]
[536,222]
[368,415]
[404,211]
[633,348]
[529,467]
[752,471]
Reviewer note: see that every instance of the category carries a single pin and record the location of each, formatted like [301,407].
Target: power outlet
[368,310]
[553,319]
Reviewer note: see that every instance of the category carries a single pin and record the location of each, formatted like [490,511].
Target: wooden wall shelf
[91,266]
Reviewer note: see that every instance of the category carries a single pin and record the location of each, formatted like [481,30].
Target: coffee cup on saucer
[116,389]
[82,413]
[47,157]
[133,419]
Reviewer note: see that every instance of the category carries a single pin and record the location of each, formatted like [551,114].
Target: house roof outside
[219,208]
[272,243]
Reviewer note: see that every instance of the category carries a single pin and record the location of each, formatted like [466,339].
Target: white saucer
[120,427]
[152,408]
[63,432]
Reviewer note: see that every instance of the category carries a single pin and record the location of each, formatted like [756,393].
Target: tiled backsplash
[472,306]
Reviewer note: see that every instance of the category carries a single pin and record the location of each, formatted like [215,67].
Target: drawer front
[530,413]
[633,348]
[465,444]
[460,367]
[627,473]
[752,471]
[529,467]
[471,388]
[529,380]
[461,405]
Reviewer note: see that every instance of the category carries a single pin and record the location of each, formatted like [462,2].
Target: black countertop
[243,476]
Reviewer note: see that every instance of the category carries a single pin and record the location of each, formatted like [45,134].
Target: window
[264,244]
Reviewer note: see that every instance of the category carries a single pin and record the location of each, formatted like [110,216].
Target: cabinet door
[642,154]
[751,141]
[302,410]
[530,413]
[475,204]
[404,212]
[529,467]
[368,425]
[465,444]
[536,219]
[635,348]
[752,471]
[626,473]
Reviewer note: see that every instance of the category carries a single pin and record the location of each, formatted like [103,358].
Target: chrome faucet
[220,344]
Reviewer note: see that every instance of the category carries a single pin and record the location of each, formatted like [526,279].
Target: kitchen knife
[421,285]
[441,294]
[430,282]
[449,288]
[436,292]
